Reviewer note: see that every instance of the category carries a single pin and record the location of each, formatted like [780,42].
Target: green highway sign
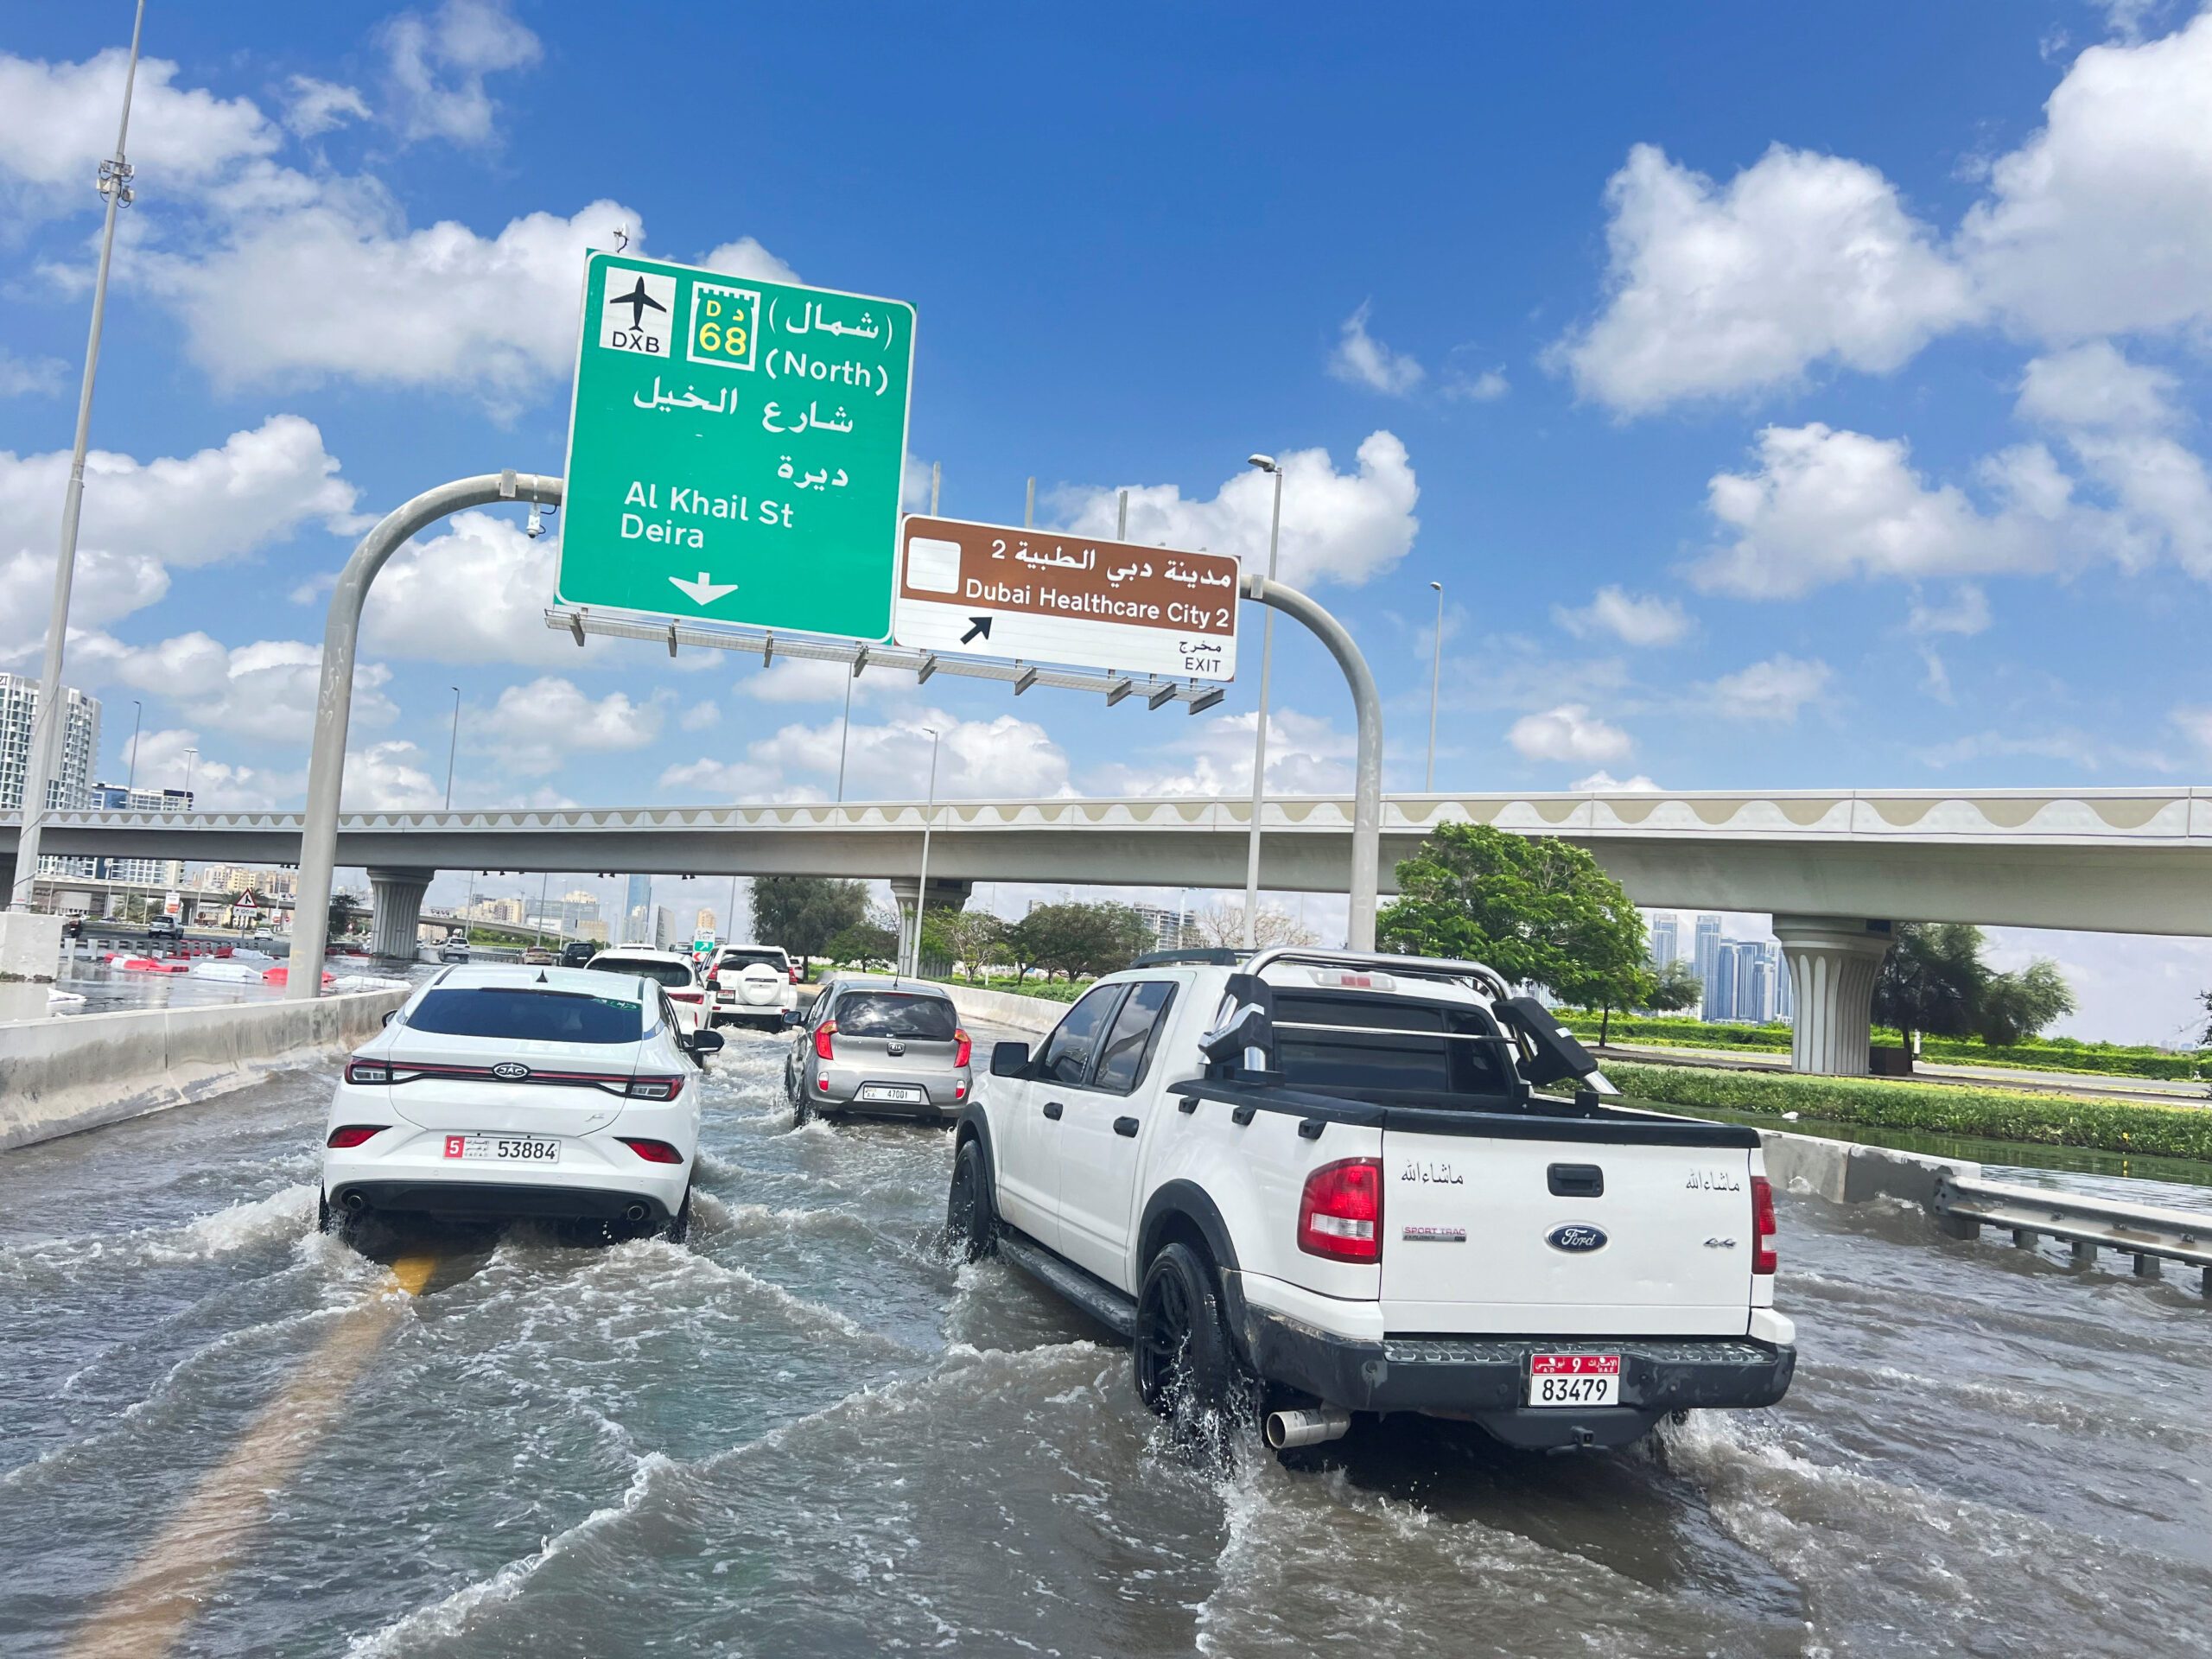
[735,449]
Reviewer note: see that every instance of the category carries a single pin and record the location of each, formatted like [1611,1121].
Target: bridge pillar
[1833,961]
[396,898]
[946,892]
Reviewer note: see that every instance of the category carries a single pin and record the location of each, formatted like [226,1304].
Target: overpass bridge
[1835,866]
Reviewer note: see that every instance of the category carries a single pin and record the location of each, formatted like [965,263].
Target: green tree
[1932,981]
[1079,940]
[872,940]
[1537,910]
[804,914]
[2018,1005]
[346,913]
[969,937]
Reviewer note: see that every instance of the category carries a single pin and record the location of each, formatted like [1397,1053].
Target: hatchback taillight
[654,1087]
[822,1034]
[1340,1212]
[367,1071]
[653,1152]
[352,1135]
[1764,1255]
[964,1048]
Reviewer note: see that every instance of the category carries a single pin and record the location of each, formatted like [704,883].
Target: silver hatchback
[883,1046]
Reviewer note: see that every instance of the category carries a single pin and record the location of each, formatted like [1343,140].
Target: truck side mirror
[1009,1060]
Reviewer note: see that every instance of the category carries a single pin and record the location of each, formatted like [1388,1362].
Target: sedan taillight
[367,1071]
[965,1050]
[654,1087]
[1764,1257]
[1340,1211]
[352,1135]
[653,1152]
[822,1034]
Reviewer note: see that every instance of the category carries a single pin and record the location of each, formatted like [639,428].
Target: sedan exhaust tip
[354,1202]
[635,1213]
[1286,1429]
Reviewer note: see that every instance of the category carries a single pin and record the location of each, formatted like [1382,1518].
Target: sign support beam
[334,702]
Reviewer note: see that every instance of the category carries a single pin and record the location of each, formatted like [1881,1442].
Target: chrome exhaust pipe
[1286,1429]
[355,1203]
[635,1213]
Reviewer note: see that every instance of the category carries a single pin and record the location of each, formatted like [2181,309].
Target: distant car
[163,927]
[264,935]
[454,951]
[577,953]
[883,1046]
[672,971]
[500,1092]
[752,982]
[538,956]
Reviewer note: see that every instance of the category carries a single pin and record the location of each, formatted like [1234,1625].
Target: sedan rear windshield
[528,1015]
[1369,1044]
[674,974]
[895,1013]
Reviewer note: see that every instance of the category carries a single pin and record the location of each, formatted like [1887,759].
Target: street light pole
[1266,464]
[922,891]
[51,719]
[845,730]
[1436,686]
[137,719]
[190,756]
[452,747]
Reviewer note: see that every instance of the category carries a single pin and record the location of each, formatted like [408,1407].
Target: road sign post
[1044,596]
[736,449]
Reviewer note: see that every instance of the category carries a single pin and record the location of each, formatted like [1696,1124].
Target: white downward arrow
[702,591]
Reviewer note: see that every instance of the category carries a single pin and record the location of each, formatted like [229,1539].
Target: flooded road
[808,1433]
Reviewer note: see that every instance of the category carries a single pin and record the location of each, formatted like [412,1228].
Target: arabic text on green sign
[736,449]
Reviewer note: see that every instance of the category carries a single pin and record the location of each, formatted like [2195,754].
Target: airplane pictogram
[637,299]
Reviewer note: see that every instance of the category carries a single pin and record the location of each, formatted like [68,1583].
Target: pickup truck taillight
[822,1034]
[1340,1212]
[964,1048]
[1764,1257]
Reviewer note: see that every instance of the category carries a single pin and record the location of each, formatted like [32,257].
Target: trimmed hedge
[2041,1054]
[1942,1109]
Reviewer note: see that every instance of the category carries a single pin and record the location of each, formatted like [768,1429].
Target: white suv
[672,971]
[752,982]
[1325,1183]
[500,1092]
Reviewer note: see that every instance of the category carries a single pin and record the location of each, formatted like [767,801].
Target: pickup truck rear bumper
[1485,1379]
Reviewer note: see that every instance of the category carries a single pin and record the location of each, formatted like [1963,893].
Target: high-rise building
[1720,985]
[1171,930]
[71,785]
[149,871]
[663,936]
[638,911]
[702,925]
[1666,939]
[1707,955]
[1754,984]
[1785,988]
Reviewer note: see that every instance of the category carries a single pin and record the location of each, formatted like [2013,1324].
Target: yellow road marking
[144,1614]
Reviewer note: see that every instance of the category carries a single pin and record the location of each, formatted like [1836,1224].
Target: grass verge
[2038,1054]
[1942,1109]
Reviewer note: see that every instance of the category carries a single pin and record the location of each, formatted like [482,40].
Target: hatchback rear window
[528,1015]
[673,974]
[894,1013]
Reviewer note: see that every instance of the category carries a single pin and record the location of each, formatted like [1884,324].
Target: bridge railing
[1963,1206]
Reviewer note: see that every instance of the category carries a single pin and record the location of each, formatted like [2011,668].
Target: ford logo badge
[1577,1237]
[513,1072]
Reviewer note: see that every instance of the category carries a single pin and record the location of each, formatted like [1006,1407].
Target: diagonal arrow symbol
[704,592]
[982,625]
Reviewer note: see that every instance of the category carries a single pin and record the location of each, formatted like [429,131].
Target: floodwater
[808,1433]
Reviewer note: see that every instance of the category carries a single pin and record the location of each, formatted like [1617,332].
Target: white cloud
[795,679]
[1802,259]
[2066,745]
[1487,387]
[746,257]
[978,760]
[437,65]
[218,786]
[22,377]
[1775,690]
[265,690]
[1603,783]
[1213,755]
[701,717]
[1344,527]
[2095,386]
[314,107]
[57,124]
[108,587]
[1570,732]
[1364,360]
[476,593]
[389,777]
[1633,620]
[1827,506]
[536,728]
[2101,223]
[1966,613]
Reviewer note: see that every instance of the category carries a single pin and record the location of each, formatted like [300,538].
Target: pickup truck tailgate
[1556,1237]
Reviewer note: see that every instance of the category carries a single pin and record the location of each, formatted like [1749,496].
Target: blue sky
[1785,399]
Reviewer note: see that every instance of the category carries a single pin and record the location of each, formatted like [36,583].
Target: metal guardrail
[1963,1207]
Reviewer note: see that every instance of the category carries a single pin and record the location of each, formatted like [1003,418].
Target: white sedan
[673,970]
[562,1093]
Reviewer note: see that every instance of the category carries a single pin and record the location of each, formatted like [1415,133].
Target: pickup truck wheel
[970,1228]
[1185,1365]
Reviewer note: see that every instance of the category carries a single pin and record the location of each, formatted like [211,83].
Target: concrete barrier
[58,1075]
[1843,1172]
[1033,1015]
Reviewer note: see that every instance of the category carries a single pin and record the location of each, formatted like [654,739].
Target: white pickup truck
[1323,1183]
